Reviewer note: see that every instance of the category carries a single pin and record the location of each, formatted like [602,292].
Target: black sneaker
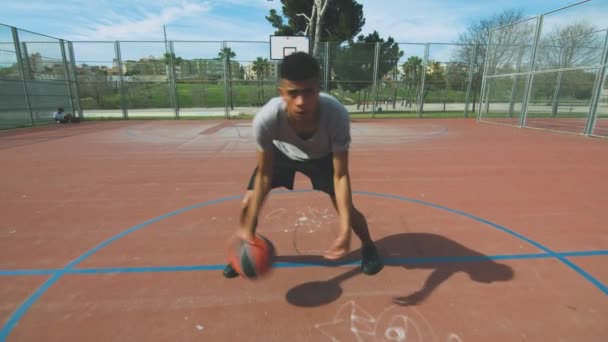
[229,272]
[371,263]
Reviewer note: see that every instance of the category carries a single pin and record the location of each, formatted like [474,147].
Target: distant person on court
[306,131]
[62,118]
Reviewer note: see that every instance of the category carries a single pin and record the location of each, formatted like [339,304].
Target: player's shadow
[410,251]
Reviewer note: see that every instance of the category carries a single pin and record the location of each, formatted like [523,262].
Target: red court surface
[116,231]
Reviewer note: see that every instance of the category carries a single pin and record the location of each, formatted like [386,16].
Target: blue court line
[217,267]
[23,308]
[565,261]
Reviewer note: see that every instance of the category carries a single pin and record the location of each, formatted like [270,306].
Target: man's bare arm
[262,186]
[343,203]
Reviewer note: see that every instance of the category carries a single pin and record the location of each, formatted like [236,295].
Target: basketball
[252,260]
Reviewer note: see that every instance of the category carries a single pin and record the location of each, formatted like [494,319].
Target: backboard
[281,46]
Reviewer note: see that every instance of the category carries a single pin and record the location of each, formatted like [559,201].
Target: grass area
[211,94]
[190,95]
[388,93]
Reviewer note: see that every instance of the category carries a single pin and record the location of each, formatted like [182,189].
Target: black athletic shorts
[320,171]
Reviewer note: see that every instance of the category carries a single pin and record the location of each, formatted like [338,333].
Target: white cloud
[266,4]
[146,26]
[415,21]
[418,21]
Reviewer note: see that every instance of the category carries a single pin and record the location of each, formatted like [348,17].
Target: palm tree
[227,54]
[261,67]
[411,69]
[170,72]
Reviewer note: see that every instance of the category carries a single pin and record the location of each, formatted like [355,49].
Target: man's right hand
[338,249]
[246,235]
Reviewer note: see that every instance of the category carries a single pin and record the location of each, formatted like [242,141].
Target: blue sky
[243,20]
[404,20]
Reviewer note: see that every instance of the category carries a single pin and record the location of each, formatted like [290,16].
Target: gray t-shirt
[270,127]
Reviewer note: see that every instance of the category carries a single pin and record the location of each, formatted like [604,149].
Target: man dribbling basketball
[306,131]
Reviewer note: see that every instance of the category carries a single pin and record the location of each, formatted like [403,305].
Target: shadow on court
[409,251]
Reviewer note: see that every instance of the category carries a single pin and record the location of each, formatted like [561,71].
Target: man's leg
[371,263]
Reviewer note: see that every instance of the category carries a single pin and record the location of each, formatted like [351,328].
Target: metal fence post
[530,78]
[24,70]
[472,64]
[123,98]
[375,79]
[484,78]
[76,84]
[326,67]
[173,81]
[226,92]
[425,64]
[558,84]
[64,60]
[514,85]
[600,78]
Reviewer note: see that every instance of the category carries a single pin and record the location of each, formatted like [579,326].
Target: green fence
[176,79]
[548,72]
[36,77]
[545,72]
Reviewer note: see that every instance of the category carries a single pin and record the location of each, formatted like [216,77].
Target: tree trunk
[230,84]
[321,6]
[555,104]
[395,95]
[474,99]
[404,93]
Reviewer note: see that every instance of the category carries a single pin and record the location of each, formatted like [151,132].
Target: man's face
[302,97]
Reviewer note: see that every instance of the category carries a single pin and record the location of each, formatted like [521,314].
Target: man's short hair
[60,109]
[300,66]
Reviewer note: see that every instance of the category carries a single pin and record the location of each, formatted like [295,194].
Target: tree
[412,72]
[226,54]
[171,61]
[10,72]
[434,80]
[473,43]
[456,76]
[168,56]
[354,63]
[316,27]
[261,68]
[94,84]
[568,46]
[340,20]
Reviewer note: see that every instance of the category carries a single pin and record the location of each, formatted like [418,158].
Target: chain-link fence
[194,78]
[36,77]
[548,72]
[174,78]
[125,79]
[384,77]
[544,72]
